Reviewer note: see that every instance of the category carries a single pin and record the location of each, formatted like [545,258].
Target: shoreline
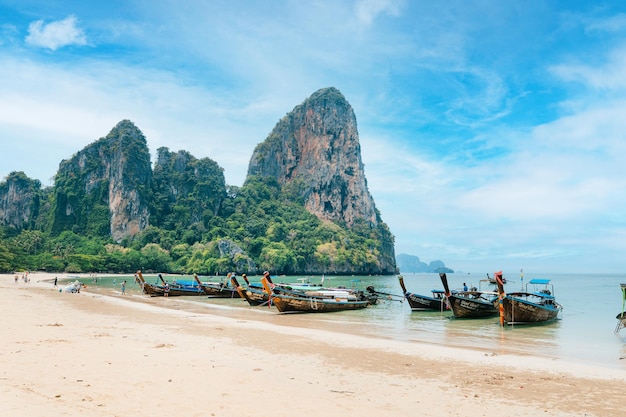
[245,363]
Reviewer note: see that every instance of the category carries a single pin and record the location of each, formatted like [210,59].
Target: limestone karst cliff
[20,200]
[315,150]
[180,179]
[304,208]
[107,184]
[317,145]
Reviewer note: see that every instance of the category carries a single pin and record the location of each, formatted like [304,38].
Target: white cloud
[616,23]
[55,35]
[76,106]
[8,33]
[607,76]
[368,10]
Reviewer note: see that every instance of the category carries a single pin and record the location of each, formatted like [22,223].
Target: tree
[6,259]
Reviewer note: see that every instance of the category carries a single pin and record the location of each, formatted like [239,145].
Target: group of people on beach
[25,278]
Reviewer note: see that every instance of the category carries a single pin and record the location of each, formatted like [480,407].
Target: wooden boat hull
[253,295]
[159,290]
[520,311]
[419,302]
[256,297]
[526,307]
[219,290]
[287,303]
[469,304]
[621,317]
[175,289]
[466,307]
[319,300]
[621,321]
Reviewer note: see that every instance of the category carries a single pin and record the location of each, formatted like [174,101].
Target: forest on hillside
[259,226]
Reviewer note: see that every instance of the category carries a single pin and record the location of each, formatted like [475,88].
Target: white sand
[91,354]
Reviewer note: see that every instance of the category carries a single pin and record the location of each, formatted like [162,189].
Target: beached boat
[218,289]
[534,305]
[172,290]
[255,296]
[314,301]
[474,303]
[376,295]
[322,303]
[621,317]
[419,302]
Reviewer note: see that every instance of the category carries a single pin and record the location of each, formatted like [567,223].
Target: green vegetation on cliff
[186,190]
[258,227]
[303,209]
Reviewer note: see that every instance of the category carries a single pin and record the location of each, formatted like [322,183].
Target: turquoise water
[584,333]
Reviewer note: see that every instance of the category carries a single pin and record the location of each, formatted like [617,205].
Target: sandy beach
[107,354]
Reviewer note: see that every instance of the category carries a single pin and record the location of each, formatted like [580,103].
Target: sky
[493,133]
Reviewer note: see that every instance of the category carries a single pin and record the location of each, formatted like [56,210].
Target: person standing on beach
[166,291]
[123,287]
[55,282]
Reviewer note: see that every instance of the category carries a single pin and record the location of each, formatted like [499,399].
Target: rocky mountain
[314,150]
[181,180]
[316,146]
[107,184]
[304,207]
[411,263]
[20,201]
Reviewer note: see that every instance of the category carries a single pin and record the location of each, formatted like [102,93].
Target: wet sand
[105,354]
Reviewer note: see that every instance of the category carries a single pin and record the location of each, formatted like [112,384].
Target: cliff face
[105,186]
[19,201]
[179,179]
[317,146]
[311,162]
[314,151]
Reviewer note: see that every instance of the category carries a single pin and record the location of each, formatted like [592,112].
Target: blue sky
[492,133]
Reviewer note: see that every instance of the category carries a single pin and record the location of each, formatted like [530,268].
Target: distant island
[412,263]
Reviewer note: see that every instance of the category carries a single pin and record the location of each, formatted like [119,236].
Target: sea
[584,332]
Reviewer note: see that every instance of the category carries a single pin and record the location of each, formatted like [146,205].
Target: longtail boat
[218,289]
[419,302]
[621,317]
[255,296]
[376,295]
[314,301]
[470,304]
[173,289]
[535,305]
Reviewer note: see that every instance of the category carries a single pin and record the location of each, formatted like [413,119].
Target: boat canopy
[539,281]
